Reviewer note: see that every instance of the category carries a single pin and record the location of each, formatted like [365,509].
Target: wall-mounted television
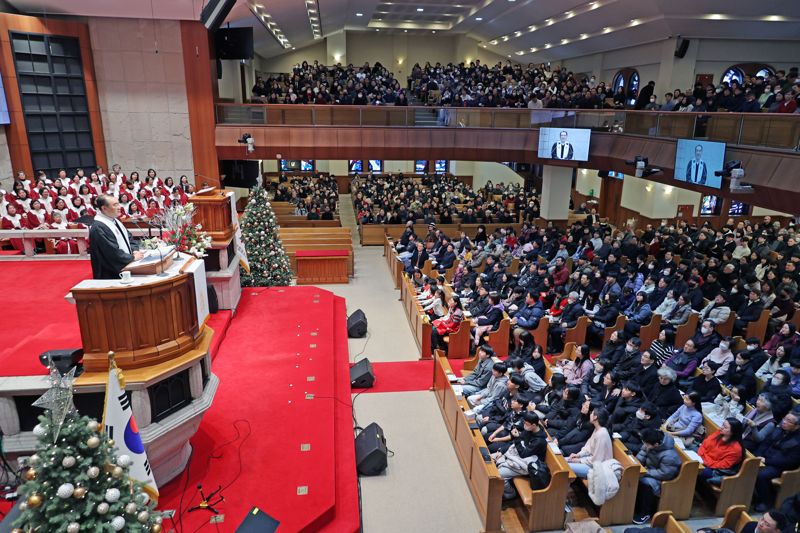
[307,165]
[375,165]
[738,209]
[4,116]
[440,166]
[290,165]
[565,144]
[710,205]
[355,165]
[420,166]
[696,162]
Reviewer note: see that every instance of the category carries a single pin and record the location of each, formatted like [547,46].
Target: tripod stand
[205,502]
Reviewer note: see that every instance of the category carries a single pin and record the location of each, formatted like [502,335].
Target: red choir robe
[16,222]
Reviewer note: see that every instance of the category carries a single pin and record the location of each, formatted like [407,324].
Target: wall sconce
[337,57]
[649,187]
[399,60]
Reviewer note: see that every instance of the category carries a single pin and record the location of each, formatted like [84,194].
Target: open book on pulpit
[154,261]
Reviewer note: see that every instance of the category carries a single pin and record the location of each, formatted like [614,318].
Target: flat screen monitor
[307,165]
[290,165]
[4,116]
[696,162]
[375,165]
[738,209]
[440,166]
[355,165]
[710,205]
[566,144]
[421,166]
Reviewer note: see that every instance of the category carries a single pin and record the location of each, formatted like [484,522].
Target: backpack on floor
[539,475]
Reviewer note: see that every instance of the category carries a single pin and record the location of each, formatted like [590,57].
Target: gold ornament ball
[80,492]
[93,425]
[108,468]
[30,474]
[93,442]
[143,517]
[17,530]
[93,472]
[131,508]
[155,528]
[112,442]
[34,500]
[117,472]
[74,527]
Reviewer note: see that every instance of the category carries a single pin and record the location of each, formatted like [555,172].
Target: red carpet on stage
[283,345]
[36,317]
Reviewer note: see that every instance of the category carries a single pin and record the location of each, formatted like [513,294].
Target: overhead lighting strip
[266,20]
[314,18]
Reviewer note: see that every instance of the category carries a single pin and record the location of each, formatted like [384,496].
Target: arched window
[733,74]
[738,72]
[633,83]
[619,81]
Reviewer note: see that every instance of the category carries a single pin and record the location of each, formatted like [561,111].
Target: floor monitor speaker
[357,325]
[361,375]
[371,457]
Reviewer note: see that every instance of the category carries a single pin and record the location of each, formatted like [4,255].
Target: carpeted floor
[37,318]
[405,376]
[279,348]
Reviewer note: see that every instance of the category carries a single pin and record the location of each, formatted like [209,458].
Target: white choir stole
[120,425]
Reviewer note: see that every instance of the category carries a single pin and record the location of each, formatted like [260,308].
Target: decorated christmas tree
[75,481]
[269,264]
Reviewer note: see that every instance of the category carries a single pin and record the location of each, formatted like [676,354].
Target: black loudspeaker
[371,458]
[63,359]
[242,173]
[213,15]
[361,375]
[357,325]
[683,46]
[213,301]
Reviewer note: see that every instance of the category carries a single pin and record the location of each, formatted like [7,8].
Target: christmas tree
[74,481]
[269,264]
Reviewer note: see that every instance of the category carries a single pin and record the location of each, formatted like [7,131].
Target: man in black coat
[569,317]
[749,312]
[647,378]
[110,245]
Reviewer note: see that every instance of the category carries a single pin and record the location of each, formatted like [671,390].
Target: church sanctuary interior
[452,266]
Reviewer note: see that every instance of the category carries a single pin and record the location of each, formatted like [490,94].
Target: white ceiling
[526,30]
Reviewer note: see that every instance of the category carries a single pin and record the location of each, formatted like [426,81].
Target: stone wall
[142,92]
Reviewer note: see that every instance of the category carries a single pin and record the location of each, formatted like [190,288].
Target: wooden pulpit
[214,213]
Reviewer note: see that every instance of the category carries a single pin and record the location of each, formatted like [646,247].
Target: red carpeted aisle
[283,345]
[405,376]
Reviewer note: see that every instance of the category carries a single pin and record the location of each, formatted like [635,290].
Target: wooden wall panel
[200,84]
[18,147]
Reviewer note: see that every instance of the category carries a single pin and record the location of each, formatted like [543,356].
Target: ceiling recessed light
[607,29]
[775,18]
[479,19]
[569,14]
[405,31]
[434,31]
[634,22]
[420,9]
[564,41]
[534,49]
[549,21]
[359,14]
[531,28]
[377,29]
[584,35]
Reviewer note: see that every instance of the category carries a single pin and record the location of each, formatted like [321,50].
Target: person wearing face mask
[721,355]
[706,339]
[652,105]
[630,363]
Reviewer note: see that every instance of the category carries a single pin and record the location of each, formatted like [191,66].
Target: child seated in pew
[527,446]
[516,387]
[570,439]
[536,385]
[481,374]
[663,463]
[494,389]
[531,353]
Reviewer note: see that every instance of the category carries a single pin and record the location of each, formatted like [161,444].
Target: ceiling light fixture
[266,20]
[420,9]
[564,41]
[359,14]
[634,22]
[479,19]
[434,31]
[607,29]
[584,35]
[313,18]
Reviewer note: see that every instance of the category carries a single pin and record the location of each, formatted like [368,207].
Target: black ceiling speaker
[682,48]
[213,15]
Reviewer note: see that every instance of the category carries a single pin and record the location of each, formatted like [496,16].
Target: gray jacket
[681,315]
[662,462]
[717,314]
[535,383]
[481,374]
[494,389]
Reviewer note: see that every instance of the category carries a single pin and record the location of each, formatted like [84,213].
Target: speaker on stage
[371,457]
[357,325]
[361,375]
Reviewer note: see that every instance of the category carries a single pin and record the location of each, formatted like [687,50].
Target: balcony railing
[746,129]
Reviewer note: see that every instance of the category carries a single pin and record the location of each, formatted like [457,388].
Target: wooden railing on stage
[485,483]
[143,324]
[374,234]
[294,239]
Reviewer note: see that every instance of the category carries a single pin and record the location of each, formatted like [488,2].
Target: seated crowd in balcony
[652,395]
[315,197]
[517,86]
[61,201]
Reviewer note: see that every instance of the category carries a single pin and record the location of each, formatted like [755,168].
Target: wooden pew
[577,334]
[417,319]
[546,506]
[726,328]
[619,509]
[649,332]
[619,325]
[668,522]
[459,343]
[736,518]
[787,485]
[677,494]
[686,331]
[758,328]
[540,333]
[499,338]
[483,479]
